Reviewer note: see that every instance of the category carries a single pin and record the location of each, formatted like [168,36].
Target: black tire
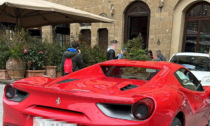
[176,122]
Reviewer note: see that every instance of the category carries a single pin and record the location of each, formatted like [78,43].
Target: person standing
[160,56]
[150,55]
[206,52]
[122,54]
[71,60]
[111,50]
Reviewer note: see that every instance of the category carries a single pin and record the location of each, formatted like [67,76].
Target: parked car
[112,93]
[197,63]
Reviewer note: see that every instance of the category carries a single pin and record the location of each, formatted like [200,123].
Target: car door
[196,96]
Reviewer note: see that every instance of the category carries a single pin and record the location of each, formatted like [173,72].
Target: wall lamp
[158,42]
[112,10]
[161,5]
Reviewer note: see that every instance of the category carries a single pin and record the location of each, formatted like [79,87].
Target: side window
[188,80]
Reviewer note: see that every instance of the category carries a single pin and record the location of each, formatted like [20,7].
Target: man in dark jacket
[75,55]
[160,56]
[111,50]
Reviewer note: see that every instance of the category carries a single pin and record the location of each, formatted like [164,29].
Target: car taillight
[9,91]
[143,109]
[14,94]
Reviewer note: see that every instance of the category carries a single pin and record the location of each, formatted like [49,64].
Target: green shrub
[12,44]
[55,53]
[35,53]
[135,50]
[35,58]
[16,42]
[3,54]
[20,44]
[91,55]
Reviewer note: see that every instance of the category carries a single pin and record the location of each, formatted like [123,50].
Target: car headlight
[141,110]
[206,81]
[13,94]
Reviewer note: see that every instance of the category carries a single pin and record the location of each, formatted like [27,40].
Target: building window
[103,39]
[62,34]
[197,28]
[7,26]
[86,36]
[35,32]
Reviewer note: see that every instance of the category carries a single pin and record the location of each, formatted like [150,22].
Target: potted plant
[35,59]
[15,65]
[4,75]
[61,49]
[3,58]
[58,71]
[54,59]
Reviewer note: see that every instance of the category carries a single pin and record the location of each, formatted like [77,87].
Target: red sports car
[112,93]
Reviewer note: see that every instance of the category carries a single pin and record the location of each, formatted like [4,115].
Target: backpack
[68,66]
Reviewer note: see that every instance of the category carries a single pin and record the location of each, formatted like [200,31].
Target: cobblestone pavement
[1,106]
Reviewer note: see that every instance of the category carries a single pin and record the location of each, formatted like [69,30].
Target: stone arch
[104,15]
[136,21]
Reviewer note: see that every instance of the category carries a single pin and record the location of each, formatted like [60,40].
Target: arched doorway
[86,36]
[137,18]
[103,39]
[197,28]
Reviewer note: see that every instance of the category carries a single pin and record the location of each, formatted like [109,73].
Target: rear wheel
[176,122]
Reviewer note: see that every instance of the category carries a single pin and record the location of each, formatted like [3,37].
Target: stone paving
[1,106]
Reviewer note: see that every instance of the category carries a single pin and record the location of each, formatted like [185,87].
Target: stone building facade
[168,25]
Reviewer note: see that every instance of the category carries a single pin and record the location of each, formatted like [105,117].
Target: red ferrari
[112,93]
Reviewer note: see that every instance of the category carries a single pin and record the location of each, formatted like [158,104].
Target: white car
[197,63]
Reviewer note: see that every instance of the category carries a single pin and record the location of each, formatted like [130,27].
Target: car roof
[191,54]
[138,63]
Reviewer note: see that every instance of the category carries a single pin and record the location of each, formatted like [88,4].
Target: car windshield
[197,63]
[127,72]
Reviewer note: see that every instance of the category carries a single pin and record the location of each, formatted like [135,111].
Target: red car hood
[101,85]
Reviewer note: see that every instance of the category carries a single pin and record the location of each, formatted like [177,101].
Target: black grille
[68,80]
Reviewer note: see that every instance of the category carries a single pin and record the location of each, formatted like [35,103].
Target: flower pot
[34,73]
[4,75]
[58,74]
[50,71]
[16,68]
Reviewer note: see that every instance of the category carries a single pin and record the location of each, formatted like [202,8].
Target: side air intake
[128,87]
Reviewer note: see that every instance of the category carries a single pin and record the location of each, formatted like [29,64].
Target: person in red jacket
[72,59]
